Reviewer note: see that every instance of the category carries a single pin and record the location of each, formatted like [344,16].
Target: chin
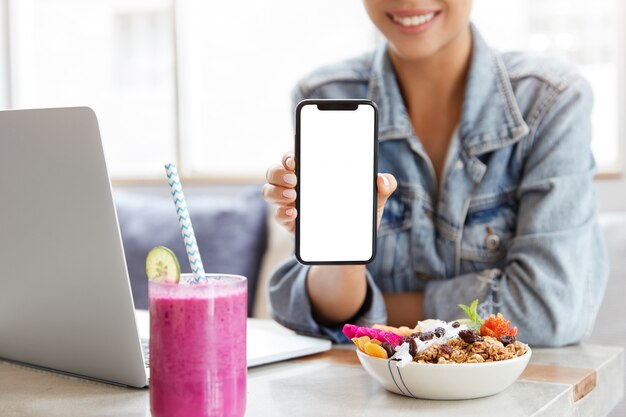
[414,50]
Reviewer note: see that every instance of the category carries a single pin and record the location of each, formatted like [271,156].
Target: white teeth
[414,20]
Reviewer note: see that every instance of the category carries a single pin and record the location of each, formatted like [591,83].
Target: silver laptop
[65,296]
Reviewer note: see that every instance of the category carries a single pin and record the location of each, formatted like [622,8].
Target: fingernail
[289,193]
[289,162]
[289,212]
[290,178]
[385,180]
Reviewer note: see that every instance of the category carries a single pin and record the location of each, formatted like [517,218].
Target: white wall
[612,194]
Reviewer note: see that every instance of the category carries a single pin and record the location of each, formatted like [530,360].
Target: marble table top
[585,380]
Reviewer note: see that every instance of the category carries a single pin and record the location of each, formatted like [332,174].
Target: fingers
[286,217]
[281,182]
[280,191]
[289,161]
[279,176]
[386,184]
[279,195]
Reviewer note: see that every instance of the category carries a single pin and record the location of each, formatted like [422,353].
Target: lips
[412,20]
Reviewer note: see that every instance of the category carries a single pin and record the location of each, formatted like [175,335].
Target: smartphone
[336,163]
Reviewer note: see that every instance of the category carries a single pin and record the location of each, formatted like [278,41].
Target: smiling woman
[488,156]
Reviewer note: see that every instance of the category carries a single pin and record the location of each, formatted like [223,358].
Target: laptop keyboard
[145,347]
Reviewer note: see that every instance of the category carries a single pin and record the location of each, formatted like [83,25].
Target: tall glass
[198,347]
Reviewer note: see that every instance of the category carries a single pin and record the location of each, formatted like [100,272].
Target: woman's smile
[413,20]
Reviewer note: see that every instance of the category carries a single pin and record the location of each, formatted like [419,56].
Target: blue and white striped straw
[184,221]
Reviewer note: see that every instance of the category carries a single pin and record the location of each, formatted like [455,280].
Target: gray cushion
[230,230]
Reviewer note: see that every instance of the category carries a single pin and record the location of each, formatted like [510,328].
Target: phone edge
[299,107]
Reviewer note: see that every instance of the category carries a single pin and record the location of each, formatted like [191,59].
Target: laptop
[65,296]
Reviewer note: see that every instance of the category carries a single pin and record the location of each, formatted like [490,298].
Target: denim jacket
[514,221]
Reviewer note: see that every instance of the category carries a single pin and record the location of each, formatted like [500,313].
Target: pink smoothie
[198,349]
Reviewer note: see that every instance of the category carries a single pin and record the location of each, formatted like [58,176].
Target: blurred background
[201,82]
[207,84]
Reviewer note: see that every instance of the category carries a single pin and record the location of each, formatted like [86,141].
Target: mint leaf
[472,314]
[466,310]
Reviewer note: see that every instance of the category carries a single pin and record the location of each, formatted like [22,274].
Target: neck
[438,79]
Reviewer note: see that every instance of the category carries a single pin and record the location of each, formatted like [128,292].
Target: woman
[488,191]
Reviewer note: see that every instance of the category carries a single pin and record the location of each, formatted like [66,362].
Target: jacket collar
[490,117]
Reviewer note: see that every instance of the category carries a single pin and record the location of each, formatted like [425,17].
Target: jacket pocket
[489,227]
[397,214]
[391,267]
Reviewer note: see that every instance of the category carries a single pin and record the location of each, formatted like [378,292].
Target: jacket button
[492,241]
[459,164]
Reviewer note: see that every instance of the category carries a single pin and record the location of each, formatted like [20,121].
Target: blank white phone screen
[336,175]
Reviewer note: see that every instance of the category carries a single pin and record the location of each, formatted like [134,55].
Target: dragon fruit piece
[351,331]
[391,338]
[364,331]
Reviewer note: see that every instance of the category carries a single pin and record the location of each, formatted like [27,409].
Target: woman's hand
[280,191]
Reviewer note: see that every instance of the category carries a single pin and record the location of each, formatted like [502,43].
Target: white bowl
[456,381]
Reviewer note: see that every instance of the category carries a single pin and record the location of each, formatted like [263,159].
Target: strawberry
[497,326]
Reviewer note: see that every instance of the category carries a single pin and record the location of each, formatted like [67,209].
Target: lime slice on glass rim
[162,265]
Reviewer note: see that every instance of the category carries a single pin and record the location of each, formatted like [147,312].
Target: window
[208,83]
[585,34]
[239,62]
[5,97]
[116,56]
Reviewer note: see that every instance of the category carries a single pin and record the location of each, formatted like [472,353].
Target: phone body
[336,150]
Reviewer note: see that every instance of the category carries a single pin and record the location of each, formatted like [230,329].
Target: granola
[489,349]
[438,342]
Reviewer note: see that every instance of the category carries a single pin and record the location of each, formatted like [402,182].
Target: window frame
[5,55]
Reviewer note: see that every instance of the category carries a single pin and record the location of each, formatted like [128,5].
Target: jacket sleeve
[291,307]
[556,265]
